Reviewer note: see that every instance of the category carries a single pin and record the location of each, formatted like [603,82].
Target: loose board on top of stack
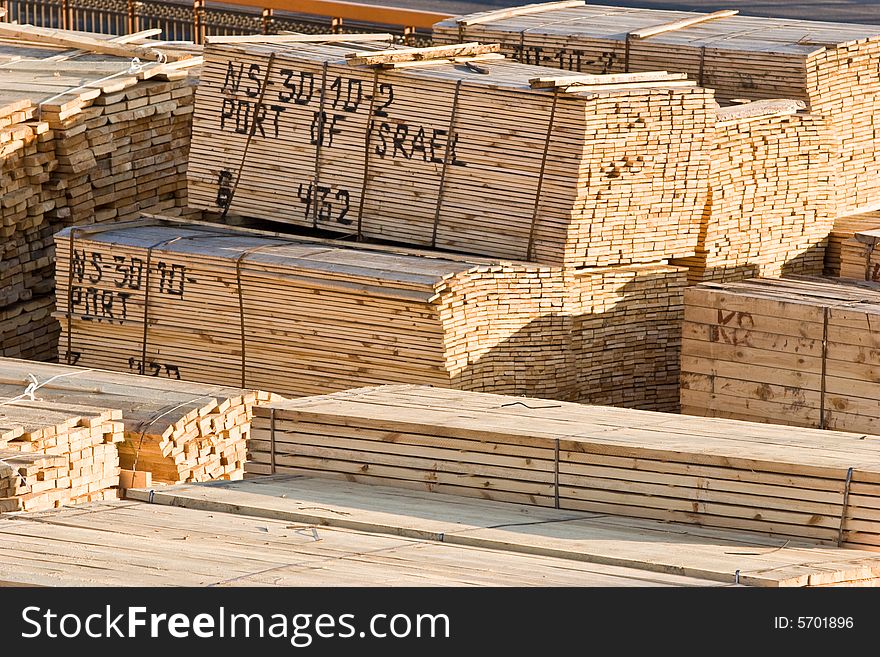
[56,453]
[844,229]
[299,315]
[833,67]
[86,134]
[817,485]
[178,431]
[456,149]
[771,204]
[802,352]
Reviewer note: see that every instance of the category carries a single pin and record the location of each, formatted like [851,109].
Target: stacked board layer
[301,316]
[844,229]
[55,453]
[465,159]
[771,198]
[801,352]
[831,66]
[178,431]
[84,137]
[817,485]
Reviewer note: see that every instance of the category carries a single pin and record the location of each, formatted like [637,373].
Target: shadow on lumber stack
[302,316]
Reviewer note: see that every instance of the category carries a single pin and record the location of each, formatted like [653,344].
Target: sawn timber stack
[299,316]
[844,229]
[833,67]
[817,485]
[178,431]
[56,453]
[464,158]
[802,352]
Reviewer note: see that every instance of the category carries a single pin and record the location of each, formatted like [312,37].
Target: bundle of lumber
[56,453]
[175,430]
[771,194]
[844,228]
[859,258]
[302,315]
[813,484]
[455,148]
[833,67]
[87,133]
[801,352]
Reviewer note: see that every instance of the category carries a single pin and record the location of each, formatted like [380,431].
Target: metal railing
[192,20]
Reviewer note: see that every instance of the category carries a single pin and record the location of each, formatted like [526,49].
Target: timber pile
[816,485]
[453,148]
[844,240]
[56,454]
[859,258]
[833,67]
[771,195]
[302,316]
[845,228]
[801,352]
[85,135]
[180,432]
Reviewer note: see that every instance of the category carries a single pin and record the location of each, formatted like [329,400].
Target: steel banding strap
[556,474]
[319,142]
[540,187]
[368,135]
[238,285]
[446,159]
[247,144]
[142,368]
[272,440]
[702,71]
[825,315]
[849,475]
[868,254]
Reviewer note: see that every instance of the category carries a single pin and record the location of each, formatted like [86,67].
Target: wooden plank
[644,33]
[420,54]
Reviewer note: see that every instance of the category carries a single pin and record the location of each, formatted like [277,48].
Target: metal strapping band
[158,415]
[626,52]
[272,440]
[461,33]
[556,475]
[447,156]
[700,76]
[868,254]
[368,135]
[247,144]
[522,47]
[824,367]
[240,289]
[540,187]
[849,474]
[142,368]
[319,139]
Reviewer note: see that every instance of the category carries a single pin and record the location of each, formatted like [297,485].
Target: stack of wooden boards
[86,134]
[455,148]
[858,258]
[302,316]
[802,352]
[816,485]
[845,228]
[56,453]
[833,67]
[771,203]
[175,430]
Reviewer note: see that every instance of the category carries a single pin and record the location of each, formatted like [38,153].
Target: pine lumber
[301,316]
[56,453]
[832,67]
[174,431]
[449,157]
[771,198]
[799,351]
[814,485]
[856,239]
[84,138]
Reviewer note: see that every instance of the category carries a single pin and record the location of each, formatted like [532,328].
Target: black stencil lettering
[353,88]
[98,273]
[172,370]
[172,278]
[78,266]
[277,109]
[305,196]
[241,123]
[384,89]
[336,86]
[227,111]
[224,188]
[343,196]
[453,157]
[400,134]
[232,80]
[324,127]
[436,145]
[73,357]
[253,76]
[325,209]
[418,145]
[383,133]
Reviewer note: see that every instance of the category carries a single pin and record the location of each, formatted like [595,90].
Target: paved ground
[856,11]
